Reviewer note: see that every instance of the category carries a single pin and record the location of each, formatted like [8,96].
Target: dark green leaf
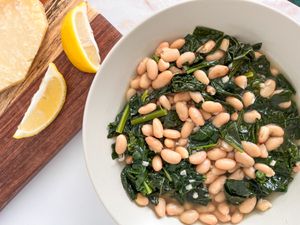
[203,34]
[181,83]
[171,120]
[237,191]
[230,134]
[262,66]
[283,83]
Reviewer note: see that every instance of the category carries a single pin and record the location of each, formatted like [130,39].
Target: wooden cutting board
[21,159]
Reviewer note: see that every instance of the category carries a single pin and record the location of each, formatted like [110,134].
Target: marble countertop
[62,192]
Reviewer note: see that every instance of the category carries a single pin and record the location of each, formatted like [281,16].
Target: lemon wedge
[45,104]
[78,40]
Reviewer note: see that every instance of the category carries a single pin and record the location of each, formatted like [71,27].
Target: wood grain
[21,159]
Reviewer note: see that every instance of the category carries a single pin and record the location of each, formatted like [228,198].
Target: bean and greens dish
[209,130]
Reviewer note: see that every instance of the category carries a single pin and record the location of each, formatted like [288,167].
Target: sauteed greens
[271,112]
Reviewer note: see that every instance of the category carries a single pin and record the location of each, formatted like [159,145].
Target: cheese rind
[23,24]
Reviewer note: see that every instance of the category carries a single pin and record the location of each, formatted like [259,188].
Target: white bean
[182,111]
[220,197]
[187,57]
[274,71]
[215,56]
[174,209]
[135,83]
[237,175]
[130,92]
[267,88]
[241,81]
[250,172]
[275,130]
[196,116]
[147,130]
[150,107]
[207,47]
[212,107]
[182,151]
[157,128]
[225,164]
[264,169]
[236,217]
[203,167]
[210,178]
[217,171]
[208,218]
[157,163]
[263,205]
[216,153]
[251,149]
[273,143]
[296,168]
[141,200]
[205,114]
[172,134]
[237,165]
[223,208]
[244,159]
[145,82]
[141,68]
[235,103]
[164,101]
[160,48]
[263,134]
[248,205]
[217,71]
[225,146]
[162,65]
[170,54]
[179,43]
[251,116]
[169,143]
[197,158]
[182,142]
[160,208]
[248,98]
[182,97]
[129,160]
[170,156]
[152,69]
[257,54]
[187,129]
[201,76]
[221,119]
[121,144]
[234,116]
[175,70]
[196,96]
[189,216]
[154,144]
[210,207]
[224,44]
[230,155]
[217,185]
[163,79]
[285,105]
[211,90]
[264,152]
[222,218]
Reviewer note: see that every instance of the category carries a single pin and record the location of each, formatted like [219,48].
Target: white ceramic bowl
[247,20]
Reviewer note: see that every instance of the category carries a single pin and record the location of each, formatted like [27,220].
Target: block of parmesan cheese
[23,24]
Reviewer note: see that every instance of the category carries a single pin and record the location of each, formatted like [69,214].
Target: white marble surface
[62,192]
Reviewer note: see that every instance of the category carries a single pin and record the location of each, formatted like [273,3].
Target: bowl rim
[97,77]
